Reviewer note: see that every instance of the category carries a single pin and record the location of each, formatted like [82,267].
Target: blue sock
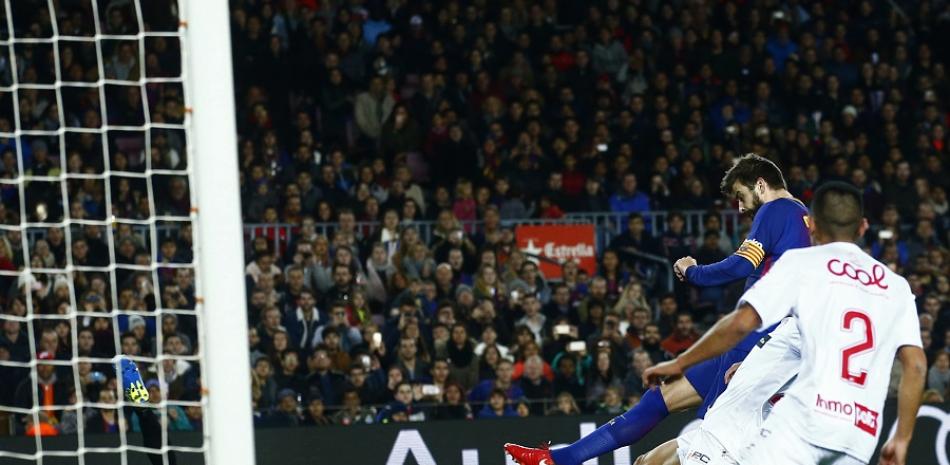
[623,430]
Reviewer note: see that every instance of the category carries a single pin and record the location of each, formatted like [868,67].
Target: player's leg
[664,454]
[631,426]
[135,392]
[626,428]
[151,425]
[680,395]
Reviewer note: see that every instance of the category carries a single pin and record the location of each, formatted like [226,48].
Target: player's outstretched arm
[724,335]
[768,227]
[908,402]
[732,268]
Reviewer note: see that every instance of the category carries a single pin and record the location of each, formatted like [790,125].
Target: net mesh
[96,258]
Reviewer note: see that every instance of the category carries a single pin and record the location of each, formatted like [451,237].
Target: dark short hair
[837,209]
[337,266]
[331,330]
[749,168]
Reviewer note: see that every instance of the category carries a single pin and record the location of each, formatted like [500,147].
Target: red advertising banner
[552,245]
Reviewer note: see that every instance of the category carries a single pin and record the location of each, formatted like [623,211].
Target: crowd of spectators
[472,115]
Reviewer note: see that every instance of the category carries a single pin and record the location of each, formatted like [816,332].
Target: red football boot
[529,455]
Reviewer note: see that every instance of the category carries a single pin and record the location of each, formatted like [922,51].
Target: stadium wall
[474,442]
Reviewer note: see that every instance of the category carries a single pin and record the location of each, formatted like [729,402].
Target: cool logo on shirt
[874,278]
[865,419]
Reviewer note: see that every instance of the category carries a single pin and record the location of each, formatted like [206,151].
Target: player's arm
[909,394]
[724,335]
[733,268]
[768,224]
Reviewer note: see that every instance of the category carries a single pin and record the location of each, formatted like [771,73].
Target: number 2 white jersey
[853,314]
[738,413]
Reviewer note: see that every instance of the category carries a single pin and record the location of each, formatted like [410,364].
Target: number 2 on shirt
[848,322]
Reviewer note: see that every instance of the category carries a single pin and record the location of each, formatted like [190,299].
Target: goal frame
[219,248]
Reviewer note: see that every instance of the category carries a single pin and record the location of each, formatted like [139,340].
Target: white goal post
[220,253]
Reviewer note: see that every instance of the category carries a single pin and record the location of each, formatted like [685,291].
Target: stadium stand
[389,151]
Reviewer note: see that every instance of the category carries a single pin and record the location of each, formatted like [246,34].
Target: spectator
[633,383]
[668,310]
[533,319]
[408,361]
[372,109]
[567,378]
[327,384]
[497,406]
[609,56]
[651,343]
[289,377]
[315,414]
[341,314]
[339,358]
[454,406]
[683,336]
[628,199]
[939,376]
[52,389]
[303,321]
[601,377]
[537,388]
[353,412]
[503,380]
[488,361]
[564,404]
[262,377]
[285,414]
[104,419]
[612,403]
[463,363]
[402,408]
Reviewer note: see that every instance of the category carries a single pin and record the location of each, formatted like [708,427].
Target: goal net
[105,224]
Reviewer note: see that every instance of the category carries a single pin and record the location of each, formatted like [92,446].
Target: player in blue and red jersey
[780,223]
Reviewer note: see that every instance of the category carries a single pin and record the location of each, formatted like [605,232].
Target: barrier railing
[607,225]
